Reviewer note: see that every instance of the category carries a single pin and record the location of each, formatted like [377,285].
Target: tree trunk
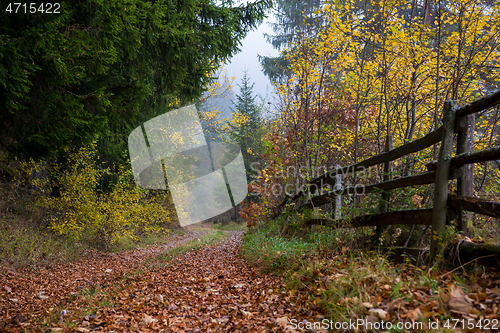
[486,254]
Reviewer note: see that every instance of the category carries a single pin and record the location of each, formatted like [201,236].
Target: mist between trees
[74,85]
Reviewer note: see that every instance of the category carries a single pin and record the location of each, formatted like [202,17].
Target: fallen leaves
[378,313]
[42,296]
[283,321]
[213,288]
[210,288]
[459,301]
[367,305]
[401,294]
[416,200]
[147,320]
[36,295]
[246,314]
[159,298]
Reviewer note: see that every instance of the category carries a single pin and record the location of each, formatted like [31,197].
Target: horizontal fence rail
[412,147]
[407,217]
[445,206]
[485,155]
[476,205]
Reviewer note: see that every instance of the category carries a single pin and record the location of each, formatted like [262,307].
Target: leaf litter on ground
[212,288]
[208,288]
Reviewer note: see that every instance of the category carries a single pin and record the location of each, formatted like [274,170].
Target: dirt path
[209,289]
[27,296]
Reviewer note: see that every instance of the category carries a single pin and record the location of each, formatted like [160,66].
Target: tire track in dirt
[211,289]
[26,296]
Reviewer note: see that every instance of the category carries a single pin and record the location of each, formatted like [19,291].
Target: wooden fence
[445,205]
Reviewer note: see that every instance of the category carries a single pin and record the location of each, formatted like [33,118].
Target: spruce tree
[248,134]
[95,68]
[294,18]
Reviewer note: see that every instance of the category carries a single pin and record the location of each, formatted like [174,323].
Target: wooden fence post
[389,145]
[384,202]
[442,177]
[465,183]
[338,199]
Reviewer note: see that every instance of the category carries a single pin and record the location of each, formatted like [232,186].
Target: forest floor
[211,279]
[195,282]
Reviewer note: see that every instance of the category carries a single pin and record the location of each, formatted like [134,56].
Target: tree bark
[442,179]
[465,187]
[484,254]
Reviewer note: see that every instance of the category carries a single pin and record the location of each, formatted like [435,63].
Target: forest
[371,200]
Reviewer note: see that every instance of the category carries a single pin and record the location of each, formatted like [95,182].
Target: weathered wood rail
[445,206]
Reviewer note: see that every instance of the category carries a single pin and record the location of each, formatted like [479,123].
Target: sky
[253,44]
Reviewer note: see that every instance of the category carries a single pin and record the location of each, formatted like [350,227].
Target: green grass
[321,267]
[231,226]
[30,247]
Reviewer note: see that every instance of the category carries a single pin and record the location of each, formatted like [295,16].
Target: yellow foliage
[83,213]
[210,116]
[391,74]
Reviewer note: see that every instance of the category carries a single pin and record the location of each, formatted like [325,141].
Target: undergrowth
[194,244]
[231,226]
[27,246]
[330,270]
[35,223]
[84,212]
[306,262]
[55,211]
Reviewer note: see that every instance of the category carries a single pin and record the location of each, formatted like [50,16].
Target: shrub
[84,213]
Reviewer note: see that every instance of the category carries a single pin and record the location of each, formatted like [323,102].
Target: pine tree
[103,67]
[248,133]
[294,19]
